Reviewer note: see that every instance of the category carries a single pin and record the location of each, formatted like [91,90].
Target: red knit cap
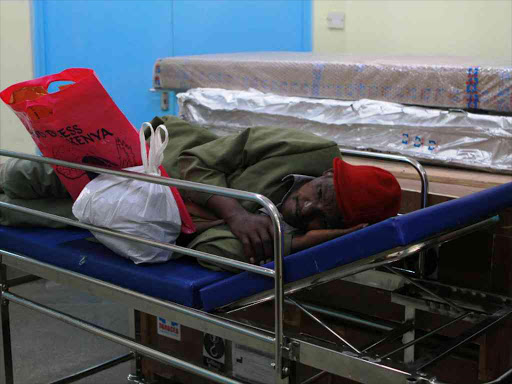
[365,194]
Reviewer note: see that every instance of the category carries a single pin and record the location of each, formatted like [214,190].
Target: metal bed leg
[136,366]
[410,316]
[281,371]
[6,328]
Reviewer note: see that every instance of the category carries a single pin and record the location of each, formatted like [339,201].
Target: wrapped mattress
[448,82]
[451,137]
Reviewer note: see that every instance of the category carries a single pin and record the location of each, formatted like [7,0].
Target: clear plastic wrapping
[437,136]
[448,82]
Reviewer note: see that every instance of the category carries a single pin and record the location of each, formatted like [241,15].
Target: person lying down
[319,196]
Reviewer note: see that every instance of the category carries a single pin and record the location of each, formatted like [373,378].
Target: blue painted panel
[120,40]
[224,26]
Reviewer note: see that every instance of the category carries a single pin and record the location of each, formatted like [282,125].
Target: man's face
[313,206]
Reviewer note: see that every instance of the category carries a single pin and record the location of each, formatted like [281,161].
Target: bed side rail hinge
[292,350]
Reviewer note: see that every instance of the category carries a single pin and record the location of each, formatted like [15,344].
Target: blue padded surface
[454,213]
[391,233]
[178,281]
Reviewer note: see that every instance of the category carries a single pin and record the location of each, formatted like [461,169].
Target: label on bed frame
[252,365]
[168,328]
[214,352]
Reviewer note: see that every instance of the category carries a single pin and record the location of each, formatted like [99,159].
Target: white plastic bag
[135,207]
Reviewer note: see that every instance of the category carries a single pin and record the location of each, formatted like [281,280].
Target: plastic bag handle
[156,148]
[72,74]
[143,152]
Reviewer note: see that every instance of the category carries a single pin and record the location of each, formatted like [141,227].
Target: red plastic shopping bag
[79,123]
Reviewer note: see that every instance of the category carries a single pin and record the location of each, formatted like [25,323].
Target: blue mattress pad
[178,281]
[184,281]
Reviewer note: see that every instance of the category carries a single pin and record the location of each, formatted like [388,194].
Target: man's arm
[318,236]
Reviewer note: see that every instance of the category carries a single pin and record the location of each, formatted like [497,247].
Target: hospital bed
[221,303]
[206,300]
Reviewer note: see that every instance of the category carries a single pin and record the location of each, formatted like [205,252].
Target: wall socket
[336,20]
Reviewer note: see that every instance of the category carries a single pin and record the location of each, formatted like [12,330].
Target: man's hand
[318,236]
[254,231]
[256,234]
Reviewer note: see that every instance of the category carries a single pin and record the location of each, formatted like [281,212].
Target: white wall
[15,66]
[481,28]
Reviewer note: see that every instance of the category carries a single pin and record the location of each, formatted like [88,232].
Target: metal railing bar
[178,183]
[393,334]
[347,317]
[309,282]
[119,339]
[323,341]
[434,331]
[71,277]
[375,261]
[185,251]
[329,329]
[385,156]
[503,379]
[424,184]
[347,364]
[315,378]
[95,369]
[462,339]
[21,280]
[507,300]
[416,284]
[8,370]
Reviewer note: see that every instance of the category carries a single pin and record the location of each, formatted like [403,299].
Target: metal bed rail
[343,363]
[379,260]
[484,319]
[276,274]
[335,361]
[424,185]
[402,159]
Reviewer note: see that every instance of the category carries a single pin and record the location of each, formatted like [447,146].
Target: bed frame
[342,359]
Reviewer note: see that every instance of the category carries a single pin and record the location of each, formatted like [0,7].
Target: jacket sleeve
[220,241]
